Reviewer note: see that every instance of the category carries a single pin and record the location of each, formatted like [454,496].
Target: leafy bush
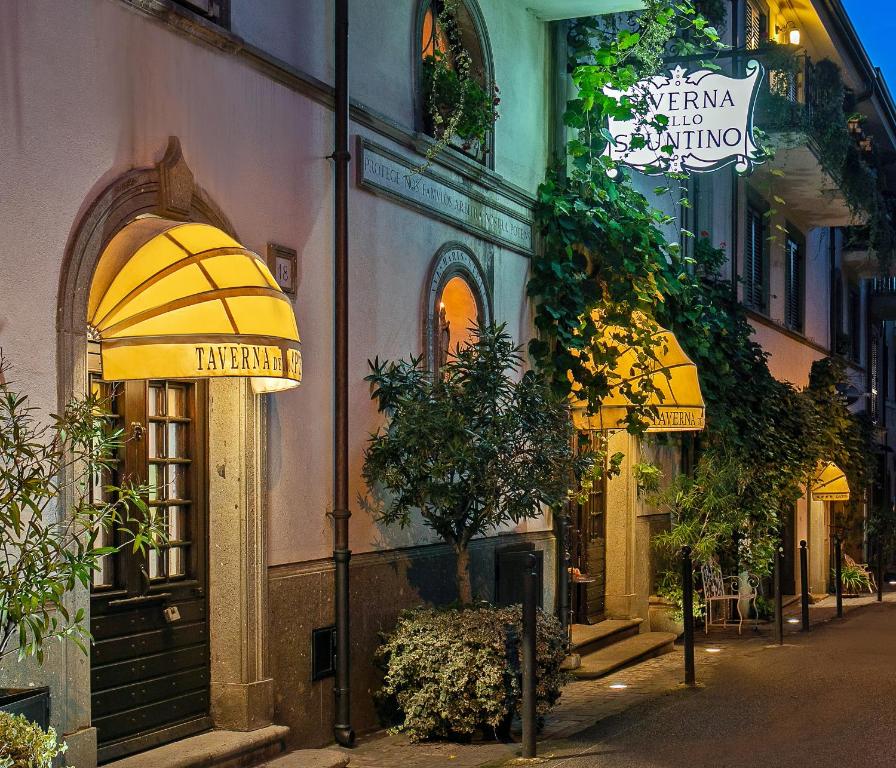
[26,745]
[49,551]
[452,671]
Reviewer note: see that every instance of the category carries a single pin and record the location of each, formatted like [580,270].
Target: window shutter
[753,26]
[793,282]
[754,266]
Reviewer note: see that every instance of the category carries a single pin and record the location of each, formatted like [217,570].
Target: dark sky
[875,21]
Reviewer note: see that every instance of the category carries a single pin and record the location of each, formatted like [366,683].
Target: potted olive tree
[471,448]
[46,550]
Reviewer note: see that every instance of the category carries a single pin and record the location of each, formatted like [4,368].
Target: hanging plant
[459,108]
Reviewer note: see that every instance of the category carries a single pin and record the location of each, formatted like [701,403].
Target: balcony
[555,10]
[785,111]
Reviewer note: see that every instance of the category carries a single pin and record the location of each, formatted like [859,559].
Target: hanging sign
[708,123]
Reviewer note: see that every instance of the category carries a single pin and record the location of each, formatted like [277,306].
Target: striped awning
[176,300]
[676,401]
[829,483]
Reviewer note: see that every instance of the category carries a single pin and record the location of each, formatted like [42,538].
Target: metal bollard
[527,653]
[838,575]
[563,581]
[804,581]
[687,588]
[779,601]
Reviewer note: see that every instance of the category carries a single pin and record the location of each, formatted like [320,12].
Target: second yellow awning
[676,401]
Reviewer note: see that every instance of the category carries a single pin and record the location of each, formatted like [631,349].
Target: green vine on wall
[606,261]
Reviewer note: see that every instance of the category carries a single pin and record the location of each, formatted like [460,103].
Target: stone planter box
[33,703]
[659,616]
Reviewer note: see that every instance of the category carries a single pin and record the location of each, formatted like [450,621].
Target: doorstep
[221,749]
[625,653]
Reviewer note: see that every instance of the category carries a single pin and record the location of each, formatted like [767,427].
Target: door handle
[137,430]
[144,581]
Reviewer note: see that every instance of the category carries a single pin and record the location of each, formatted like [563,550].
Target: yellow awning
[175,300]
[829,483]
[677,399]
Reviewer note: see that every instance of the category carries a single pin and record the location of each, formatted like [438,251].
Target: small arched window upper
[456,94]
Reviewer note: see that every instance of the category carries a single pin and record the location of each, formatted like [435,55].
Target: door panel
[150,672]
[589,556]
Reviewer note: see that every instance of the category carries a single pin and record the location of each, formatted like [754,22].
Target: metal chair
[725,589]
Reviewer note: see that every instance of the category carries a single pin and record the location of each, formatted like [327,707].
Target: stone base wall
[382,585]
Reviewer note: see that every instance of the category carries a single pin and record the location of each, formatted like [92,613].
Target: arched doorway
[197,425]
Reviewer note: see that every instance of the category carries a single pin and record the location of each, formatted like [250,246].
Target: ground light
[713,650]
[793,620]
[618,686]
[892,583]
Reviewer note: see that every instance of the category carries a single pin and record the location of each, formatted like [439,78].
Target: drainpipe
[342,729]
[735,180]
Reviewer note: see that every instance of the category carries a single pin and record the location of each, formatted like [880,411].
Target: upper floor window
[855,324]
[794,281]
[756,25]
[755,271]
[457,96]
[217,11]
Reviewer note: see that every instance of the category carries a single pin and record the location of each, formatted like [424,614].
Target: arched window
[447,31]
[457,300]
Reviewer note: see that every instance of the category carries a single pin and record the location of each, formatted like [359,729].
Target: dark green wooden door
[150,657]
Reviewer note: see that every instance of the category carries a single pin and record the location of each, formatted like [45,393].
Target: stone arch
[241,689]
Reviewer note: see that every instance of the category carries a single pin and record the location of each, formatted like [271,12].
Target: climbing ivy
[604,258]
[606,261]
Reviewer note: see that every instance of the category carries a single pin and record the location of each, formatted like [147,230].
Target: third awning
[829,483]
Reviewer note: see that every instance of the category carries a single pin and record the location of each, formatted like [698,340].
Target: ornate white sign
[710,123]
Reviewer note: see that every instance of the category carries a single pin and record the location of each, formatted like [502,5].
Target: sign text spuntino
[709,123]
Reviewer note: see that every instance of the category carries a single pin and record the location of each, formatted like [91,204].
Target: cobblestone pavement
[587,703]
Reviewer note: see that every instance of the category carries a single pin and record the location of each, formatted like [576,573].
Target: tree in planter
[473,448]
[46,551]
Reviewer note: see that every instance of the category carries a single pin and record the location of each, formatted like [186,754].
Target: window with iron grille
[794,282]
[874,375]
[755,277]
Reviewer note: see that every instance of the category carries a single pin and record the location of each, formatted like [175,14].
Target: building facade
[221,113]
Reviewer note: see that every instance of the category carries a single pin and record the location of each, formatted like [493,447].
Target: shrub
[853,578]
[452,671]
[26,745]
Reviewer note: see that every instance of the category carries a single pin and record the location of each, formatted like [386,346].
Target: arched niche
[457,293]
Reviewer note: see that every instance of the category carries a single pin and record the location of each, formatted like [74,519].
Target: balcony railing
[786,100]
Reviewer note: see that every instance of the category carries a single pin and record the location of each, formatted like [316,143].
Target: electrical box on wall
[323,653]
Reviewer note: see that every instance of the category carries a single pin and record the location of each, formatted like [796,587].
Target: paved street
[822,700]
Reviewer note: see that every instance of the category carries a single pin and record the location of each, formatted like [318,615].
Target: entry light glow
[794,36]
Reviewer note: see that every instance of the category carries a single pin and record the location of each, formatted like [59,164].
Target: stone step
[592,637]
[626,652]
[311,758]
[215,749]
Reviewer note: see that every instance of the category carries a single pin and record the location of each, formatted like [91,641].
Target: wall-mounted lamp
[792,31]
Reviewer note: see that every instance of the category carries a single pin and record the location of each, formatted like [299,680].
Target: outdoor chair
[724,590]
[872,583]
